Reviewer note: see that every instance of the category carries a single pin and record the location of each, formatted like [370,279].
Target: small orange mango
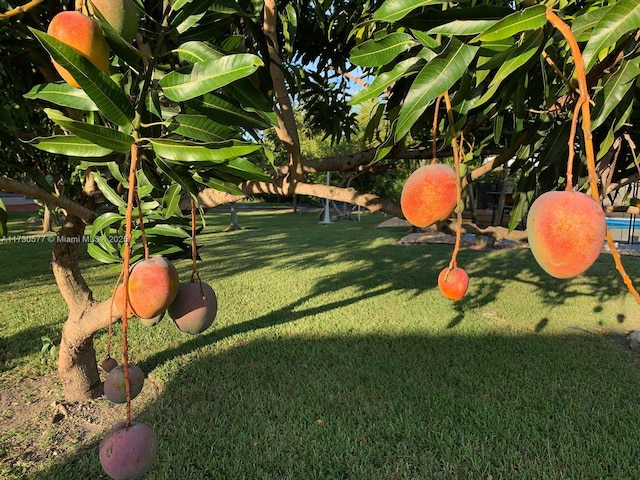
[83,35]
[429,195]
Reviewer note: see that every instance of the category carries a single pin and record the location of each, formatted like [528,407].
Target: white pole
[327,216]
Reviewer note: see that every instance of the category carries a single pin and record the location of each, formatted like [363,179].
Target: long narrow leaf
[108,96]
[200,127]
[171,200]
[530,18]
[104,136]
[463,27]
[435,78]
[70,145]
[252,100]
[617,21]
[98,253]
[219,185]
[583,25]
[62,94]
[243,168]
[384,80]
[105,221]
[520,57]
[394,10]
[208,76]
[221,109]
[193,152]
[375,52]
[614,90]
[194,52]
[109,193]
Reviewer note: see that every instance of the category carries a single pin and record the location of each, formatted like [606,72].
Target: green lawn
[334,356]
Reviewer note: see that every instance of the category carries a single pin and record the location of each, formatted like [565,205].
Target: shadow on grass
[355,255]
[383,407]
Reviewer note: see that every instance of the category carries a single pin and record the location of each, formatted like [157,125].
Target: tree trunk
[77,365]
[47,223]
[234,225]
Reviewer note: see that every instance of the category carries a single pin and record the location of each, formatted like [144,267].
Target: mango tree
[188,101]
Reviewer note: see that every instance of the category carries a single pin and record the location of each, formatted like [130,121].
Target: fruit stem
[125,273]
[113,299]
[572,151]
[434,138]
[194,247]
[583,103]
[456,163]
[143,235]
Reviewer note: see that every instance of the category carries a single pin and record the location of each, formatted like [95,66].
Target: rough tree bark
[77,366]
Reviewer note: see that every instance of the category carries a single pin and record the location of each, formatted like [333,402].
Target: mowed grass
[334,356]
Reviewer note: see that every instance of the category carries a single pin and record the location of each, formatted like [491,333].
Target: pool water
[622,223]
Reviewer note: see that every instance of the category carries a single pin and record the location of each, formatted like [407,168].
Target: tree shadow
[382,407]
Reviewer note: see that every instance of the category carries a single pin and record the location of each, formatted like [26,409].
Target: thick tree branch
[287,129]
[502,158]
[33,191]
[20,9]
[210,198]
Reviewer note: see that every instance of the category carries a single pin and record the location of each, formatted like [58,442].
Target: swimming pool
[622,223]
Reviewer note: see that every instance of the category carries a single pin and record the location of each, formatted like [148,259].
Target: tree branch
[20,9]
[33,191]
[287,129]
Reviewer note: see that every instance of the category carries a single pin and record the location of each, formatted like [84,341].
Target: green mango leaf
[384,80]
[167,230]
[394,10]
[62,94]
[435,78]
[108,192]
[222,110]
[425,39]
[252,100]
[70,145]
[185,9]
[114,169]
[100,254]
[179,174]
[195,51]
[530,18]
[462,27]
[185,151]
[226,7]
[219,185]
[376,52]
[614,90]
[200,127]
[208,76]
[104,136]
[616,22]
[583,25]
[107,95]
[243,168]
[519,57]
[171,200]
[105,221]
